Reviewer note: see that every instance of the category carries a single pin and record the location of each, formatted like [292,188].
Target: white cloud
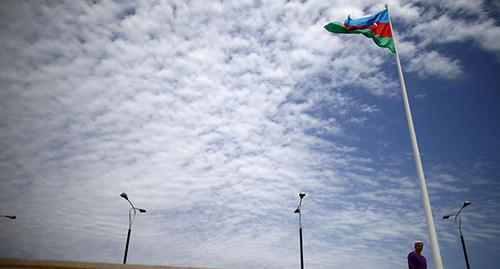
[447,30]
[461,6]
[432,63]
[404,12]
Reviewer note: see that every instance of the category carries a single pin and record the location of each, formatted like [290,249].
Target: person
[415,258]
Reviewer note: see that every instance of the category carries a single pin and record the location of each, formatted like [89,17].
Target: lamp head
[297,210]
[142,210]
[446,217]
[467,203]
[124,196]
[301,195]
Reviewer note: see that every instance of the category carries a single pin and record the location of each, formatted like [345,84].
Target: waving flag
[376,27]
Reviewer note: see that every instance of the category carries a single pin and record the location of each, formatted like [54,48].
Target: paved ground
[22,264]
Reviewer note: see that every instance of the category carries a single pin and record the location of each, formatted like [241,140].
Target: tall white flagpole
[436,253]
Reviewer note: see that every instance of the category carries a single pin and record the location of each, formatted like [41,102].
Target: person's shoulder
[411,254]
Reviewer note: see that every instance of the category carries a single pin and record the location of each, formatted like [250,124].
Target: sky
[214,115]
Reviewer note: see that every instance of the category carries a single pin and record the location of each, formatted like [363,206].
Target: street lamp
[457,215]
[10,217]
[130,221]
[298,211]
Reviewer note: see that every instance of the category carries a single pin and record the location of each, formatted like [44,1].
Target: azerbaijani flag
[376,27]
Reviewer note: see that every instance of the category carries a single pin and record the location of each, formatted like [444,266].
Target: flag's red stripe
[355,27]
[380,28]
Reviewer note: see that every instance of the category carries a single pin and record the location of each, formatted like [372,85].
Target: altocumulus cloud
[211,115]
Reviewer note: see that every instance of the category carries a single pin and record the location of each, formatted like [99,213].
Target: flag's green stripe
[338,27]
[385,42]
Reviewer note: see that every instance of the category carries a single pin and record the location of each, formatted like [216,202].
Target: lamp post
[298,211]
[459,224]
[130,221]
[9,217]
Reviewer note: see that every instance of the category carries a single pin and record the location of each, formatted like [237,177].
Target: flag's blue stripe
[382,16]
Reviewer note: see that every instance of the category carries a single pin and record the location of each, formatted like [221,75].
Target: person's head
[419,246]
